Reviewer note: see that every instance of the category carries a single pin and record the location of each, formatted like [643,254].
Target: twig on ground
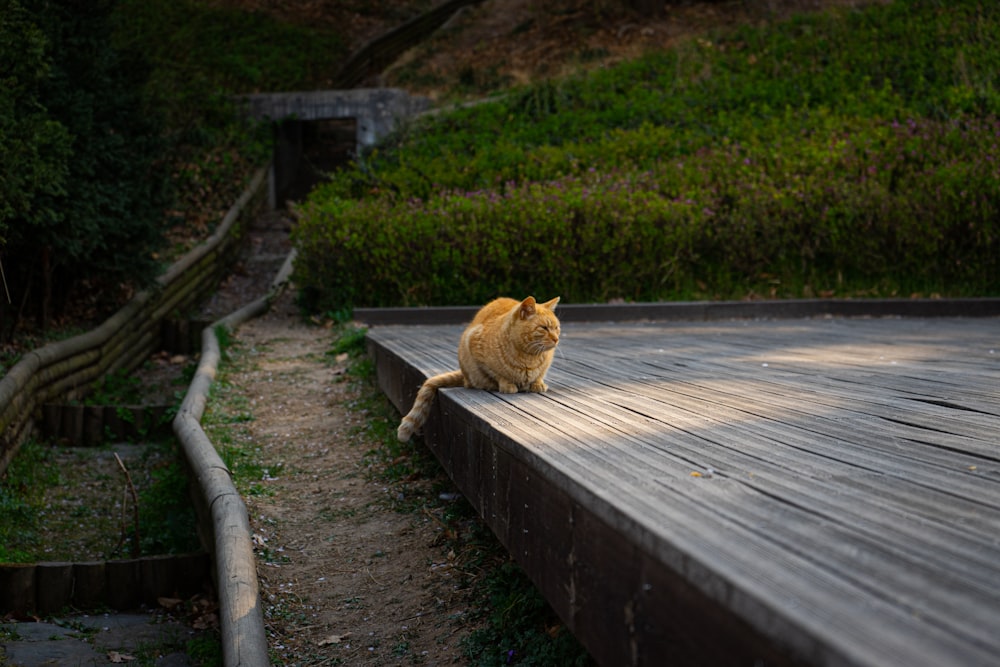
[130,487]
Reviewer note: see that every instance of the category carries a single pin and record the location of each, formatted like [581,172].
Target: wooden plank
[847,503]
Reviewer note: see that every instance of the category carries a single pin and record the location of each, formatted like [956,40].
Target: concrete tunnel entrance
[305,151]
[316,130]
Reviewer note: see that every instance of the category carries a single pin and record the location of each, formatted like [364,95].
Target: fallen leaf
[333,639]
[115,656]
[205,622]
[169,603]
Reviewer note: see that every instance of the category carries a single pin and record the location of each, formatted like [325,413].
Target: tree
[34,147]
[94,228]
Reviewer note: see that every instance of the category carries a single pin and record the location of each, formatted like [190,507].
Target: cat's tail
[417,415]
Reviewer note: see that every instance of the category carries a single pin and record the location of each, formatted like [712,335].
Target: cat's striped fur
[508,347]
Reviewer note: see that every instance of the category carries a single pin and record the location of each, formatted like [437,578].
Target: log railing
[64,371]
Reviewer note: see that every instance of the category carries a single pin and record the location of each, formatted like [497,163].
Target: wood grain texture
[827,490]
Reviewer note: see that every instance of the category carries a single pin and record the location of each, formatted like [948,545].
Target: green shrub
[897,203]
[99,217]
[202,55]
[34,147]
[907,59]
[737,162]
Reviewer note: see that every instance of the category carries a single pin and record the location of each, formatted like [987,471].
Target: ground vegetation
[841,153]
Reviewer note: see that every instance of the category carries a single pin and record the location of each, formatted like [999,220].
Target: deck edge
[706,310]
[622,601]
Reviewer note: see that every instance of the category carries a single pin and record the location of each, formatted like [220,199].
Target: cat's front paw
[538,386]
[507,387]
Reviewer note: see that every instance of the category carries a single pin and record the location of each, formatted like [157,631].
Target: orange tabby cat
[508,347]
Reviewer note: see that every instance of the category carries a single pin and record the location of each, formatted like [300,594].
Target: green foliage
[21,499]
[34,147]
[850,152]
[205,650]
[225,338]
[203,54]
[117,388]
[350,341]
[116,118]
[879,201]
[99,214]
[522,629]
[166,519]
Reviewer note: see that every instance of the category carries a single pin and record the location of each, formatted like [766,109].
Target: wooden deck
[821,491]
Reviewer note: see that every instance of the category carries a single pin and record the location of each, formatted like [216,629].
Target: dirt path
[343,575]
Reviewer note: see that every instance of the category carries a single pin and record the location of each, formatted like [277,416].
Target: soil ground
[343,574]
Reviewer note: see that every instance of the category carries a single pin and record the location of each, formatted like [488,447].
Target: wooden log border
[52,587]
[63,371]
[222,515]
[92,425]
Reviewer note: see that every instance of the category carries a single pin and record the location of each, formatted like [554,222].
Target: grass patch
[22,494]
[48,514]
[224,422]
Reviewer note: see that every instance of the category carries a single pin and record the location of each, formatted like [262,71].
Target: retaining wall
[64,371]
[382,51]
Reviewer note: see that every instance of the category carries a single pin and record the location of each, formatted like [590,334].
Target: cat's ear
[551,305]
[527,308]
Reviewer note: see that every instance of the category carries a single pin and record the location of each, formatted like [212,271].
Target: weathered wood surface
[51,587]
[815,491]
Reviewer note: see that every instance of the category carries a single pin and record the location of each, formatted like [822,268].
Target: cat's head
[537,325]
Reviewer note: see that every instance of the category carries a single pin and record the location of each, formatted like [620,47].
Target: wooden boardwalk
[821,491]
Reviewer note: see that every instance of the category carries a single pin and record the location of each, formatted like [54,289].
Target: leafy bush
[118,120]
[99,216]
[202,55]
[33,146]
[903,204]
[906,59]
[737,162]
